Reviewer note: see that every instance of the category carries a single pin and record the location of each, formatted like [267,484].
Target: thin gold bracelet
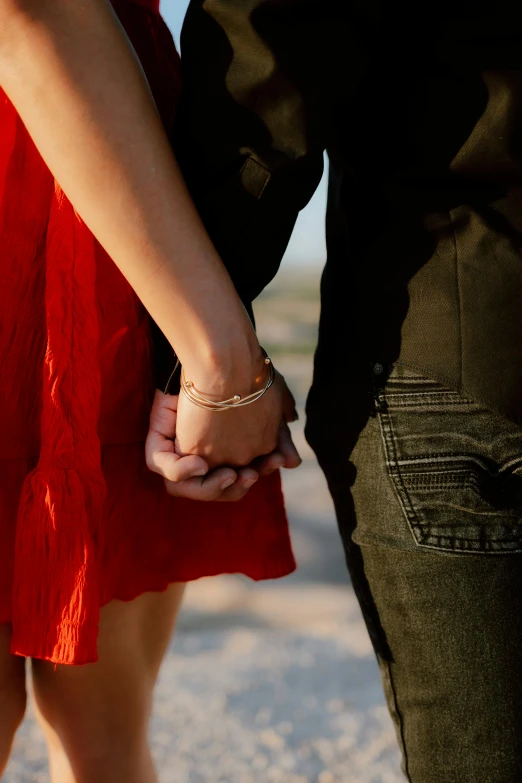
[189,390]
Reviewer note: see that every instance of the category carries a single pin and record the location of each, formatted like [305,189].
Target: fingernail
[202,472]
[227,483]
[250,483]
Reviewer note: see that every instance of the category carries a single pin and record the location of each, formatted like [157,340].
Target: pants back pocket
[456,466]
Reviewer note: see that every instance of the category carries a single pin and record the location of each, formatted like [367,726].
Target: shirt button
[378,369]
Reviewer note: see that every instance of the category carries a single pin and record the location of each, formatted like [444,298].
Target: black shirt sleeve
[263,83]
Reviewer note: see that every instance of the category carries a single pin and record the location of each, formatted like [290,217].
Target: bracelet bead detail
[192,394]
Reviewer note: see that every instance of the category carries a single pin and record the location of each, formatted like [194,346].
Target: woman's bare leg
[95,717]
[12,695]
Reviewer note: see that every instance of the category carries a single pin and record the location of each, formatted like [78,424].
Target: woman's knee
[100,725]
[13,697]
[12,711]
[88,709]
[13,701]
[100,712]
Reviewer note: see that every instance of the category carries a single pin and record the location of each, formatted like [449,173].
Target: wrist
[222,369]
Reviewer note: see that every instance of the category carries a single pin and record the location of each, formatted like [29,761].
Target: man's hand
[190,476]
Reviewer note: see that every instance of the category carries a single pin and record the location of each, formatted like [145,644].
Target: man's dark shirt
[420,109]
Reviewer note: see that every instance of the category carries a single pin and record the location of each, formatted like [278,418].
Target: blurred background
[271,682]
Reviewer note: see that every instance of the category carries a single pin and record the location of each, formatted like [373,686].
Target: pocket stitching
[389,444]
[419,535]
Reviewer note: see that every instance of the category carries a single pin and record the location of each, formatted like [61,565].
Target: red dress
[82,520]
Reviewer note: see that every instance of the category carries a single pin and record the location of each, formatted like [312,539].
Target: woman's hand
[237,436]
[190,475]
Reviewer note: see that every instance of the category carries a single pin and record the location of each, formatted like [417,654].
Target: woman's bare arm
[73,77]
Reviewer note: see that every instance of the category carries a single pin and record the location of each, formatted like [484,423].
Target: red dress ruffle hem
[82,520]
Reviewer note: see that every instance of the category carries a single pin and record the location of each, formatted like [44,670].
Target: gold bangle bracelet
[198,399]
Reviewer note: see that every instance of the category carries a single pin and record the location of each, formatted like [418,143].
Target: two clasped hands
[208,455]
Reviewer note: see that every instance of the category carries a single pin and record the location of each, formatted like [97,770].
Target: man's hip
[429,506]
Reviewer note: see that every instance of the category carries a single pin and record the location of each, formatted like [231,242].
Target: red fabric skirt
[82,520]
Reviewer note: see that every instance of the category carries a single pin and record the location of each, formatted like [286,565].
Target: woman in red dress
[94,553]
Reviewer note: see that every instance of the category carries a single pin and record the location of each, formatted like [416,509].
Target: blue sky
[307,245]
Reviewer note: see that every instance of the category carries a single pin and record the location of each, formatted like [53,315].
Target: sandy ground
[272,682]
